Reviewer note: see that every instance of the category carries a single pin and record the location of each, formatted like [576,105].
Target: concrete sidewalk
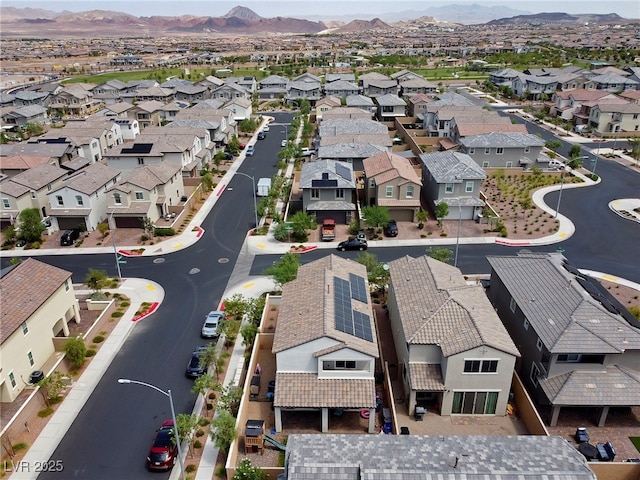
[139,291]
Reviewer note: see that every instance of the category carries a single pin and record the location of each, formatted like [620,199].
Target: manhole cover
[193,271]
[158,260]
[223,260]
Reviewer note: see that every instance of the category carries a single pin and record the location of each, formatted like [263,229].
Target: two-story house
[362,102]
[579,346]
[326,104]
[20,116]
[328,190]
[75,100]
[454,353]
[567,103]
[390,107]
[341,88]
[455,179]
[37,303]
[391,181]
[273,86]
[505,150]
[338,112]
[418,105]
[147,113]
[531,87]
[304,90]
[241,108]
[325,342]
[229,91]
[416,86]
[615,118]
[81,199]
[147,191]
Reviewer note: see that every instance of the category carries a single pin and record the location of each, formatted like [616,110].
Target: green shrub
[90,352]
[98,339]
[197,444]
[190,468]
[117,314]
[164,232]
[203,422]
[45,412]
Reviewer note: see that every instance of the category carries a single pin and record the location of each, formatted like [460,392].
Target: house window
[49,187]
[487,151]
[409,191]
[12,379]
[512,305]
[509,164]
[345,364]
[139,196]
[474,403]
[140,161]
[448,188]
[535,373]
[526,324]
[6,203]
[468,187]
[480,366]
[527,149]
[499,151]
[489,366]
[339,192]
[315,193]
[389,191]
[25,329]
[30,357]
[67,284]
[485,164]
[539,344]
[117,199]
[569,358]
[59,200]
[79,200]
[471,366]
[472,150]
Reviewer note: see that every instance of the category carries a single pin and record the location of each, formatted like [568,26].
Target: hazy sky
[362,9]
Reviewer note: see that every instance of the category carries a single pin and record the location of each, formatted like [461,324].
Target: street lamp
[255,202]
[560,195]
[173,415]
[455,258]
[113,242]
[594,162]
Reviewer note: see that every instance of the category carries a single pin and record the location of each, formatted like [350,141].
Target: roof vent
[619,385]
[590,385]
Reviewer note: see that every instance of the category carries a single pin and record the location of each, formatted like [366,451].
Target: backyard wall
[525,408]
[616,471]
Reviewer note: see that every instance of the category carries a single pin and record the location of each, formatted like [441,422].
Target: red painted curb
[152,308]
[224,185]
[512,244]
[307,249]
[128,253]
[200,232]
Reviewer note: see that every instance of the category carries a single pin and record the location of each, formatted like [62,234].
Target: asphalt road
[111,435]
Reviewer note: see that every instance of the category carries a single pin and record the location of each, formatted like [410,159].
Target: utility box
[263,187]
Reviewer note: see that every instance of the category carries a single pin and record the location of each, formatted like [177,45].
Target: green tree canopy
[441,254]
[223,430]
[31,226]
[285,269]
[247,471]
[375,216]
[441,211]
[75,351]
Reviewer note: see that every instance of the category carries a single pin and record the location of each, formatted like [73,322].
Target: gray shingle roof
[360,126]
[502,139]
[565,317]
[452,167]
[90,179]
[350,150]
[314,170]
[418,457]
[437,307]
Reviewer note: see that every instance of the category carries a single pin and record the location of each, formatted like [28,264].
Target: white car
[283,143]
[265,128]
[211,326]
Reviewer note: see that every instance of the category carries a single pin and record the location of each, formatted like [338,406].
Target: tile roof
[360,126]
[90,179]
[426,376]
[386,166]
[379,139]
[39,176]
[150,176]
[332,168]
[422,457]
[24,289]
[502,139]
[390,100]
[437,307]
[306,390]
[307,308]
[452,167]
[349,150]
[564,316]
[22,162]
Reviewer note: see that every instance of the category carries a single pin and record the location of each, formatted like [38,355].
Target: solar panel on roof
[343,171]
[362,326]
[570,268]
[342,305]
[358,288]
[324,183]
[138,148]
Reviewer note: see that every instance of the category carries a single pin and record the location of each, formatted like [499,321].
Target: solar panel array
[348,320]
[358,288]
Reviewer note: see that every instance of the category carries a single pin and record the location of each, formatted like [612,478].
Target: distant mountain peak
[243,13]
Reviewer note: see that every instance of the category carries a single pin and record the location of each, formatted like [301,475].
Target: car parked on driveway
[196,367]
[354,243]
[391,229]
[211,326]
[69,237]
[164,449]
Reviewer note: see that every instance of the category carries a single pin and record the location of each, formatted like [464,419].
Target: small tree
[634,143]
[148,226]
[229,400]
[554,145]
[223,430]
[249,332]
[50,387]
[422,216]
[186,425]
[301,222]
[103,228]
[207,182]
[441,211]
[31,227]
[75,351]
[96,280]
[247,471]
[10,235]
[285,269]
[441,254]
[375,216]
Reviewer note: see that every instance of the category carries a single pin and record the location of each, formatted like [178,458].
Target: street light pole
[560,195]
[173,416]
[113,242]
[455,259]
[255,201]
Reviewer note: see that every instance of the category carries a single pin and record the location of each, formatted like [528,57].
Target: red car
[164,450]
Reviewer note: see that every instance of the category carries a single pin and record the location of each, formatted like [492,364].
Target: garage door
[339,216]
[128,222]
[69,223]
[404,215]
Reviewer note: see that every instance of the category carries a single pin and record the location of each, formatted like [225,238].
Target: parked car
[69,237]
[266,127]
[251,150]
[196,367]
[283,143]
[391,229]
[211,326]
[261,135]
[354,243]
[307,152]
[164,449]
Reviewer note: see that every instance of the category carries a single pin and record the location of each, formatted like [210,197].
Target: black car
[196,367]
[261,135]
[391,229]
[69,237]
[353,244]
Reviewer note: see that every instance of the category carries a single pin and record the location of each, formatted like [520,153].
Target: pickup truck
[307,152]
[328,230]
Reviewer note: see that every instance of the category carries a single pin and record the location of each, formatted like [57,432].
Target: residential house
[504,77]
[505,150]
[333,77]
[304,90]
[29,189]
[119,110]
[613,83]
[328,190]
[130,129]
[241,108]
[453,350]
[24,98]
[325,342]
[37,302]
[74,100]
[615,118]
[92,137]
[146,113]
[157,94]
[211,82]
[418,105]
[272,87]
[81,199]
[391,181]
[350,132]
[326,104]
[416,86]
[338,113]
[146,192]
[341,88]
[441,119]
[351,153]
[455,179]
[445,99]
[579,346]
[220,122]
[390,107]
[21,116]
[530,87]
[362,102]
[567,103]
[375,88]
[57,153]
[11,165]
[191,93]
[454,457]
[229,91]
[631,96]
[169,112]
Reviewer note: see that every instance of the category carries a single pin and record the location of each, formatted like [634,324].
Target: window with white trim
[6,203]
[388,191]
[79,200]
[139,196]
[527,149]
[339,192]
[33,194]
[117,198]
[526,324]
[25,328]
[468,186]
[485,164]
[480,366]
[12,380]
[410,191]
[509,164]
[59,200]
[539,344]
[569,358]
[499,151]
[315,193]
[535,373]
[472,150]
[487,151]
[448,188]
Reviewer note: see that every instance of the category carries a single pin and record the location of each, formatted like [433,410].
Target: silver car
[211,326]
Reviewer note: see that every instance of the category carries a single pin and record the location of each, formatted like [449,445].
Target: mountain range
[40,23]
